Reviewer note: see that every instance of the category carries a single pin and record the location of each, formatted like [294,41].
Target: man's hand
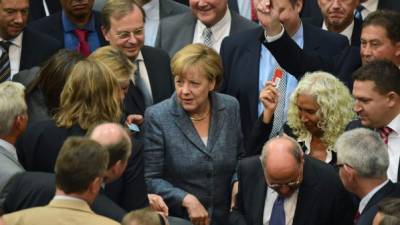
[197,213]
[134,118]
[269,97]
[268,15]
[157,203]
[235,189]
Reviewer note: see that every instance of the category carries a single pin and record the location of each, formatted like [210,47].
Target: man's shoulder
[152,52]
[324,35]
[177,20]
[241,39]
[42,24]
[354,124]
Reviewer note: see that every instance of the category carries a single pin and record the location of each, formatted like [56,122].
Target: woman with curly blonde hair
[319,110]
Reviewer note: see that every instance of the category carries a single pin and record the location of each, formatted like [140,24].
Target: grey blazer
[177,162]
[183,26]
[9,167]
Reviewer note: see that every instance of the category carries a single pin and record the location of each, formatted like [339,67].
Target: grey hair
[364,151]
[12,104]
[295,151]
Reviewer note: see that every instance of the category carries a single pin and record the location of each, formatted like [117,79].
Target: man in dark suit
[77,26]
[25,47]
[123,27]
[377,94]
[365,176]
[248,64]
[285,185]
[338,17]
[211,16]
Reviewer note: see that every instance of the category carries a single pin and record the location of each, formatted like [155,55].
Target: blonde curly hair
[335,106]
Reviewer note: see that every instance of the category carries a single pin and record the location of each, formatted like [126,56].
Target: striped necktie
[5,69]
[207,37]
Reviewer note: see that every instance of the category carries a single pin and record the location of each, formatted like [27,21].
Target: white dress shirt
[370,6]
[219,31]
[289,206]
[143,73]
[14,53]
[394,148]
[348,31]
[152,10]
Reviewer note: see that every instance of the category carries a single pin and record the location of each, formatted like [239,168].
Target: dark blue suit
[241,58]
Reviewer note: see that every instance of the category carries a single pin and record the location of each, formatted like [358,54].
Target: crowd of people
[202,112]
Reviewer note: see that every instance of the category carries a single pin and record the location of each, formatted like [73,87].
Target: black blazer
[320,181]
[52,26]
[390,190]
[241,58]
[32,189]
[38,148]
[36,48]
[158,68]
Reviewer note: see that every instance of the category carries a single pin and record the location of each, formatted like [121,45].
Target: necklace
[200,118]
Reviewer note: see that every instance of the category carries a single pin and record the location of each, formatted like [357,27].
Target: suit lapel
[258,197]
[306,197]
[308,37]
[385,191]
[217,121]
[152,73]
[251,62]
[183,122]
[134,99]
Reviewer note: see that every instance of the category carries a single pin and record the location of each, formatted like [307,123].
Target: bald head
[282,159]
[115,139]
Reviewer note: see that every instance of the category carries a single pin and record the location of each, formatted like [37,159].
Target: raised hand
[268,15]
[269,97]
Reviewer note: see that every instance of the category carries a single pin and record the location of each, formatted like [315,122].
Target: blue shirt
[268,65]
[71,41]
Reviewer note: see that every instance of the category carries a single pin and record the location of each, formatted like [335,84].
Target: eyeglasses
[291,185]
[127,34]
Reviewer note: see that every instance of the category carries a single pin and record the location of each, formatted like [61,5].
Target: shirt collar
[9,148]
[139,57]
[298,37]
[307,142]
[370,5]
[364,201]
[220,24]
[395,124]
[66,197]
[17,41]
[348,31]
[69,26]
[152,9]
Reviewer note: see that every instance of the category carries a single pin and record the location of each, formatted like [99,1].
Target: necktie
[278,212]
[357,13]
[253,11]
[207,37]
[141,85]
[83,46]
[5,69]
[279,114]
[384,133]
[356,217]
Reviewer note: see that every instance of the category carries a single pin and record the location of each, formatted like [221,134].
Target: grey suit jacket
[183,26]
[170,8]
[9,167]
[177,162]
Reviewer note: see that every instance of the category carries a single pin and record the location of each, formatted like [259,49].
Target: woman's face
[308,108]
[192,90]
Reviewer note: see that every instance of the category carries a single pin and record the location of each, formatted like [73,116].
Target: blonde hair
[116,60]
[145,216]
[90,96]
[335,106]
[200,56]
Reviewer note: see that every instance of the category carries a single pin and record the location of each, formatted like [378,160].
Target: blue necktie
[357,13]
[278,212]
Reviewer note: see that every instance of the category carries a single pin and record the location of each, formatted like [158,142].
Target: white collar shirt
[370,6]
[289,206]
[152,10]
[14,53]
[143,72]
[364,201]
[348,31]
[394,149]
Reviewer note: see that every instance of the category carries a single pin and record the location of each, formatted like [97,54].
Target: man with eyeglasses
[283,186]
[123,26]
[77,26]
[363,161]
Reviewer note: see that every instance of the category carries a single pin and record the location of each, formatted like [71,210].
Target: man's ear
[106,33]
[95,185]
[392,98]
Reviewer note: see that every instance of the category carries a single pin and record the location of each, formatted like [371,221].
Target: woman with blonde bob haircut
[319,110]
[117,61]
[90,96]
[192,140]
